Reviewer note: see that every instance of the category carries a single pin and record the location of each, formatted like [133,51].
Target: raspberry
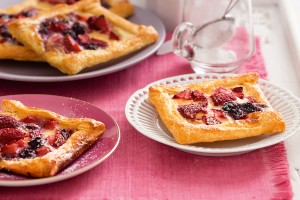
[8,135]
[210,120]
[222,95]
[190,111]
[8,122]
[238,92]
[185,94]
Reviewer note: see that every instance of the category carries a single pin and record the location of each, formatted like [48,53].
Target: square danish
[216,110]
[10,48]
[79,36]
[40,143]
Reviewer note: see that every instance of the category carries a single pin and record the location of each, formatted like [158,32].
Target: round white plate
[69,107]
[43,72]
[143,117]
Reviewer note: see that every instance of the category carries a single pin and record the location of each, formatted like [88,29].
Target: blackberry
[27,153]
[234,110]
[91,46]
[249,107]
[228,106]
[71,33]
[79,28]
[36,142]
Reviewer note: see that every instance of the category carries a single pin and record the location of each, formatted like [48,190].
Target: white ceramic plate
[143,117]
[69,107]
[43,72]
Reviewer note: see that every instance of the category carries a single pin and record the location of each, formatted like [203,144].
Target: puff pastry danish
[72,38]
[216,110]
[39,143]
[10,48]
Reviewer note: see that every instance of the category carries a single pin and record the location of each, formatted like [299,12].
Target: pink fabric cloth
[141,168]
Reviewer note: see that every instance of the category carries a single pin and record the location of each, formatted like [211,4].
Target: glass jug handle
[183,41]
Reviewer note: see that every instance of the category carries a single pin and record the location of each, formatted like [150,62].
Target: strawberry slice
[185,94]
[71,45]
[8,135]
[238,92]
[222,95]
[50,124]
[99,23]
[219,113]
[99,43]
[10,150]
[83,38]
[113,36]
[190,111]
[42,151]
[30,119]
[210,120]
[58,26]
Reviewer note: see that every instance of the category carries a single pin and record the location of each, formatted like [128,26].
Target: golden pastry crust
[188,131]
[132,38]
[87,131]
[121,7]
[13,50]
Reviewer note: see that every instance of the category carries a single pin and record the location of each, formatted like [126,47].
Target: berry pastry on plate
[73,38]
[39,143]
[216,110]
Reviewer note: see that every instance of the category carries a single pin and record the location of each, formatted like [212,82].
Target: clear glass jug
[217,35]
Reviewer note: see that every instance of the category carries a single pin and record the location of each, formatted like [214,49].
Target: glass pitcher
[217,35]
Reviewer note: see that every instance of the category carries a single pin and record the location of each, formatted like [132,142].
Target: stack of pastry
[71,35]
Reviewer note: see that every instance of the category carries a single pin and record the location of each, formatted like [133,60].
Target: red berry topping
[42,151]
[99,24]
[238,92]
[199,96]
[210,120]
[219,113]
[222,95]
[191,110]
[70,44]
[185,94]
[99,43]
[30,119]
[50,124]
[10,150]
[59,25]
[113,36]
[8,135]
[83,39]
[8,122]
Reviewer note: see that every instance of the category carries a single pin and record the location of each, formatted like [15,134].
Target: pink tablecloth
[141,168]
